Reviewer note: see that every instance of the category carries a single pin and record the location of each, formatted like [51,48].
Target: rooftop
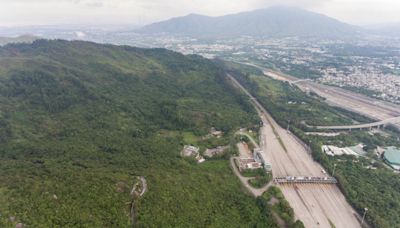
[392,155]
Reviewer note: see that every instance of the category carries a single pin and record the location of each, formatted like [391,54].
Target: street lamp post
[365,212]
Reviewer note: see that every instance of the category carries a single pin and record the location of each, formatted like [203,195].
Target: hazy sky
[136,12]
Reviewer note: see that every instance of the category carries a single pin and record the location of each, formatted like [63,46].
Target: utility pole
[334,168]
[365,212]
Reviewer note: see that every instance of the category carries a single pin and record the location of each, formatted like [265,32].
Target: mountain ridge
[275,21]
[27,38]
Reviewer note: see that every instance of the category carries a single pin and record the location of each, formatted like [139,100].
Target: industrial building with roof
[392,157]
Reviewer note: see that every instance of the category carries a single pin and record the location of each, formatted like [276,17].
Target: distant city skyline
[141,12]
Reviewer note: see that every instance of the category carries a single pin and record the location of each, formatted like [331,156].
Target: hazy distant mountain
[19,39]
[392,29]
[271,22]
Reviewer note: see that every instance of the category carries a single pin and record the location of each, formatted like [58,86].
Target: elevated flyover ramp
[339,97]
[394,121]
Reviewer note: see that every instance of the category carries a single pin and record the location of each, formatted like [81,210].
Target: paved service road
[316,205]
[254,191]
[255,144]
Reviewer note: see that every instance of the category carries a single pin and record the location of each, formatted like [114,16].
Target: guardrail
[305,180]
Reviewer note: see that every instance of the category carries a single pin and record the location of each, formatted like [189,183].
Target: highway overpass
[313,195]
[385,113]
[391,121]
[305,180]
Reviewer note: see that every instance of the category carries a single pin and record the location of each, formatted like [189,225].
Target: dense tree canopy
[80,120]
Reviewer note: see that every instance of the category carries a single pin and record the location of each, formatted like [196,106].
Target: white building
[260,157]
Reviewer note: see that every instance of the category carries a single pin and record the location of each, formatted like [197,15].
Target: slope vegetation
[79,121]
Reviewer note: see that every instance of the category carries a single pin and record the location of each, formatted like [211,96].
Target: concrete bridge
[395,121]
[300,80]
[305,180]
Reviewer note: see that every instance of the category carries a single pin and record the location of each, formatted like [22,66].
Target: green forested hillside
[78,121]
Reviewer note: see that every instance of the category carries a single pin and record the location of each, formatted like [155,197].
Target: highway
[358,103]
[355,102]
[316,205]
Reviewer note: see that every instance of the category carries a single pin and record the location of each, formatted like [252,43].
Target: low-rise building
[192,151]
[392,157]
[248,163]
[337,151]
[214,132]
[260,157]
[215,151]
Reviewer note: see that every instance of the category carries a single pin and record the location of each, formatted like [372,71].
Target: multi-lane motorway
[355,102]
[316,205]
